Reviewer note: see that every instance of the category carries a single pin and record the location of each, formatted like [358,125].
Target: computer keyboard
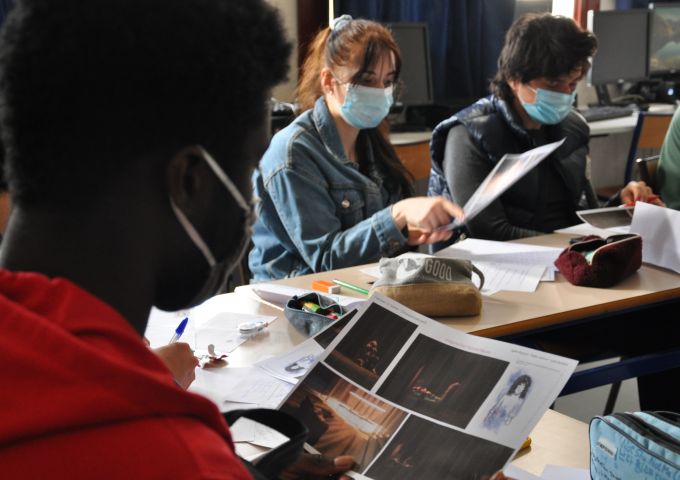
[606,112]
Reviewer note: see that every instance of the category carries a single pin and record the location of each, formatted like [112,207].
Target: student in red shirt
[131,129]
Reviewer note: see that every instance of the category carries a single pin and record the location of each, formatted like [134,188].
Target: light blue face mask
[366,107]
[549,108]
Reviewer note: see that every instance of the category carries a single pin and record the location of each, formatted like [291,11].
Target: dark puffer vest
[495,129]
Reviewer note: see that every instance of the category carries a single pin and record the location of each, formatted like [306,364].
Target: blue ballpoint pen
[179,330]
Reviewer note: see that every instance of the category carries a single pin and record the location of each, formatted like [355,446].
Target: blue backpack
[635,445]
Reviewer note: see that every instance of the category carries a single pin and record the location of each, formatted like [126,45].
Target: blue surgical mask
[220,269]
[549,108]
[366,107]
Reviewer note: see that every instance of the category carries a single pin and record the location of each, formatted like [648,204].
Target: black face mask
[219,269]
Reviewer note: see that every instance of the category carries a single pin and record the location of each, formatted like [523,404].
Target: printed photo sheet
[410,398]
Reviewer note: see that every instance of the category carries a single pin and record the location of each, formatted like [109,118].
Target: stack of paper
[515,267]
[410,398]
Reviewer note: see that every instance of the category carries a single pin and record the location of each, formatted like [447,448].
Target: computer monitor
[621,46]
[413,40]
[664,40]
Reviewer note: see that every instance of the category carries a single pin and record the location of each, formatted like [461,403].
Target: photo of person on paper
[371,345]
[442,381]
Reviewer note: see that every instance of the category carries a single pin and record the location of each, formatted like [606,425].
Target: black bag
[273,463]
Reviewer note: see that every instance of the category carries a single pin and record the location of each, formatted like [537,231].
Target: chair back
[647,171]
[648,138]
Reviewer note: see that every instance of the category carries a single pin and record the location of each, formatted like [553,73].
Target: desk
[557,439]
[553,303]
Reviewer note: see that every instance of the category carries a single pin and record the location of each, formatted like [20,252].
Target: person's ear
[327,80]
[186,178]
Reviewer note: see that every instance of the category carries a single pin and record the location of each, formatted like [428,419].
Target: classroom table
[552,305]
[557,439]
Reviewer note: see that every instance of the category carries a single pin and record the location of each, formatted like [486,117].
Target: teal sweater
[669,165]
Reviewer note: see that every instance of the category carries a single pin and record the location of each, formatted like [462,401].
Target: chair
[647,171]
[648,137]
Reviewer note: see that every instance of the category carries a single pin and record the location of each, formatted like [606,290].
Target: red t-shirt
[81,395]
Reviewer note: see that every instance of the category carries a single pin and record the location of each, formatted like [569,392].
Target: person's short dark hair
[87,86]
[541,45]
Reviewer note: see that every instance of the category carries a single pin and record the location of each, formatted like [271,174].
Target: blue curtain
[5,7]
[466,37]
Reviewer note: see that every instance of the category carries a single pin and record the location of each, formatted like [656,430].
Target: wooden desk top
[556,440]
[505,313]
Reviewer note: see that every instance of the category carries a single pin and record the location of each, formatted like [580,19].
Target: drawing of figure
[369,357]
[301,365]
[508,405]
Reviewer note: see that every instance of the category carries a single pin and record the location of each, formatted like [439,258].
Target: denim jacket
[316,210]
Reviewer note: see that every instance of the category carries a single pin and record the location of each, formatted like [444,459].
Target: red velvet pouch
[599,262]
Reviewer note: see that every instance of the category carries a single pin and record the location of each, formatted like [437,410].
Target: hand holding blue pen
[179,330]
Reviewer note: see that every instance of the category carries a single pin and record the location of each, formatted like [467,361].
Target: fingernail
[344,462]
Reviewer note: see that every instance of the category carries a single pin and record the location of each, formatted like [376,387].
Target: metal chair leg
[611,399]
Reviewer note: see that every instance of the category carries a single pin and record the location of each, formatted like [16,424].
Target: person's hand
[310,467]
[422,215]
[181,362]
[639,192]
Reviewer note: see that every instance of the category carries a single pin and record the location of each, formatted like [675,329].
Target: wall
[288,10]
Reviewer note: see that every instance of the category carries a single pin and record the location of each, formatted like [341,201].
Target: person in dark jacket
[543,59]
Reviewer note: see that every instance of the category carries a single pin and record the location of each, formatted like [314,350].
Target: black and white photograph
[416,453]
[371,345]
[343,419]
[441,381]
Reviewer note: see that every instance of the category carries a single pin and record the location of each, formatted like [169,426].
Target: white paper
[508,276]
[492,251]
[293,364]
[280,294]
[209,323]
[247,430]
[252,439]
[556,472]
[229,386]
[400,392]
[161,327]
[513,266]
[548,275]
[659,228]
[507,171]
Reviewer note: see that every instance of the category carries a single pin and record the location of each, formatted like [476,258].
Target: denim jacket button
[345,203]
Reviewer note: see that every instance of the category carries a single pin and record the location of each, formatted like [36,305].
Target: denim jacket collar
[325,125]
